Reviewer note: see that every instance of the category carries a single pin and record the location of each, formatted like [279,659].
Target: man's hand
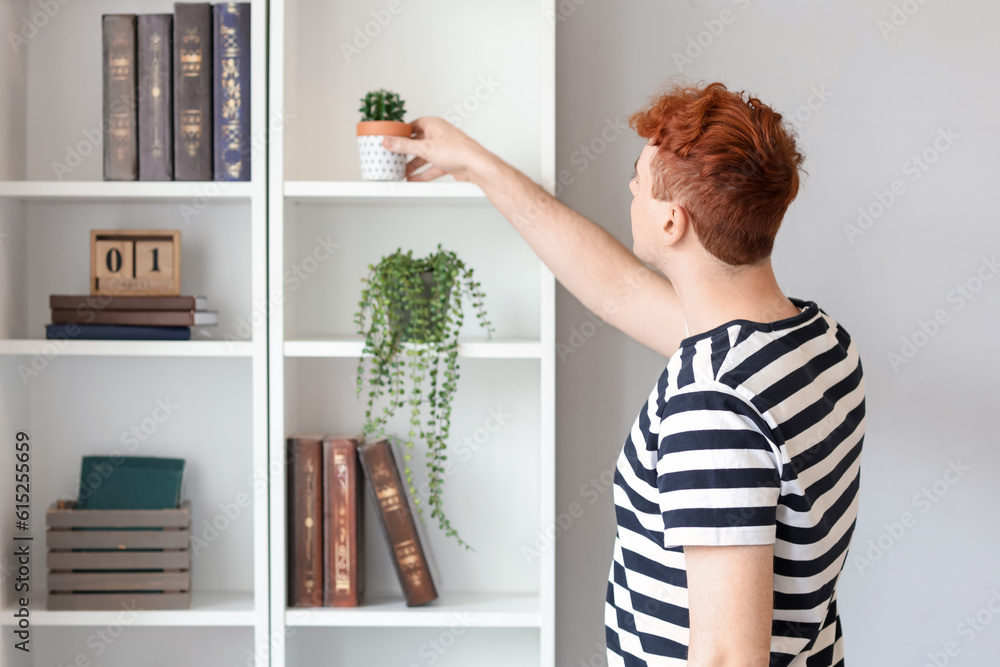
[444,147]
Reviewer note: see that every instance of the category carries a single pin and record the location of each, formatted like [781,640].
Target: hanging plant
[410,314]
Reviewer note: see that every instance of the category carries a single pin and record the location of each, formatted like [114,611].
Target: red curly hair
[728,160]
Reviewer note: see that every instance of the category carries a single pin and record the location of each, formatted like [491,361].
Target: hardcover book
[304,465]
[130,483]
[91,303]
[73,331]
[397,522]
[343,523]
[193,91]
[156,107]
[231,74]
[119,78]
[152,318]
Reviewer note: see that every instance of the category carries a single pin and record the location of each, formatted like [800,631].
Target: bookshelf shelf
[487,610]
[125,348]
[356,192]
[131,191]
[204,400]
[510,349]
[325,227]
[212,609]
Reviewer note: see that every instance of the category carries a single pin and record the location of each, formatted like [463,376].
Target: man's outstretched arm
[594,266]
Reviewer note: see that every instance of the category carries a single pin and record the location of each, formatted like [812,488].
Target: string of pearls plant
[410,314]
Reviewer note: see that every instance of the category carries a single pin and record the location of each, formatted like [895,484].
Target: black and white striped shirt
[752,435]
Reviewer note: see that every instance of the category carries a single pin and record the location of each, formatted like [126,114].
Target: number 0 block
[138,262]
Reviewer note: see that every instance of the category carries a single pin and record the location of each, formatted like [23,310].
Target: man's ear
[676,224]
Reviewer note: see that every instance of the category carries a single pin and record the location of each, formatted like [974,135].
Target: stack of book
[177,94]
[87,317]
[325,521]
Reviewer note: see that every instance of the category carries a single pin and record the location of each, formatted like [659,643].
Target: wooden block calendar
[137,262]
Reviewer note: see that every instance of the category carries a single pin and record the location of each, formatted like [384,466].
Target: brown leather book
[85,303]
[397,522]
[343,523]
[149,318]
[304,466]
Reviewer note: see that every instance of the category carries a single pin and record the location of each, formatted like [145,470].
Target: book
[130,483]
[73,331]
[156,108]
[88,302]
[396,521]
[304,469]
[152,318]
[193,91]
[231,90]
[119,91]
[343,523]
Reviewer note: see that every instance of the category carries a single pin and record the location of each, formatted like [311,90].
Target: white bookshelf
[496,607]
[207,609]
[125,348]
[86,394]
[111,191]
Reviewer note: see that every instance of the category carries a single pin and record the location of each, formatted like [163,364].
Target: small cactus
[382,104]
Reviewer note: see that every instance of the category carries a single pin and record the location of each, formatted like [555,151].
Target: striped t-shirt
[752,435]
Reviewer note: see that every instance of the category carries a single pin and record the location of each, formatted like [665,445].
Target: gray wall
[921,568]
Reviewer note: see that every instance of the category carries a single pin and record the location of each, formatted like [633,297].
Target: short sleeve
[718,473]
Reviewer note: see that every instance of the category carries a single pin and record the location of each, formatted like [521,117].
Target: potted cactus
[382,115]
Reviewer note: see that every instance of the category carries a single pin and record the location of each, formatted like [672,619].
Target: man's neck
[711,297]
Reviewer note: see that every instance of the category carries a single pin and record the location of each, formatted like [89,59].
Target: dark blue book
[115,332]
[231,79]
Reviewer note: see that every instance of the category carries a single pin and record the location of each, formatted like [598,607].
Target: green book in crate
[130,483]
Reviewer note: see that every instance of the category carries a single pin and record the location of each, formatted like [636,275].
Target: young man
[736,490]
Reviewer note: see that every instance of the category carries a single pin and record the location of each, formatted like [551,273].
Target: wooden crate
[107,559]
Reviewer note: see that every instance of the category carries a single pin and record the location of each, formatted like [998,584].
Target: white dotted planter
[377,162]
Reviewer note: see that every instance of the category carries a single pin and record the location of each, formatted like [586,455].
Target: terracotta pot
[378,163]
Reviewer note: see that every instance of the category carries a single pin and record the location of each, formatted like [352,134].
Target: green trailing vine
[410,314]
